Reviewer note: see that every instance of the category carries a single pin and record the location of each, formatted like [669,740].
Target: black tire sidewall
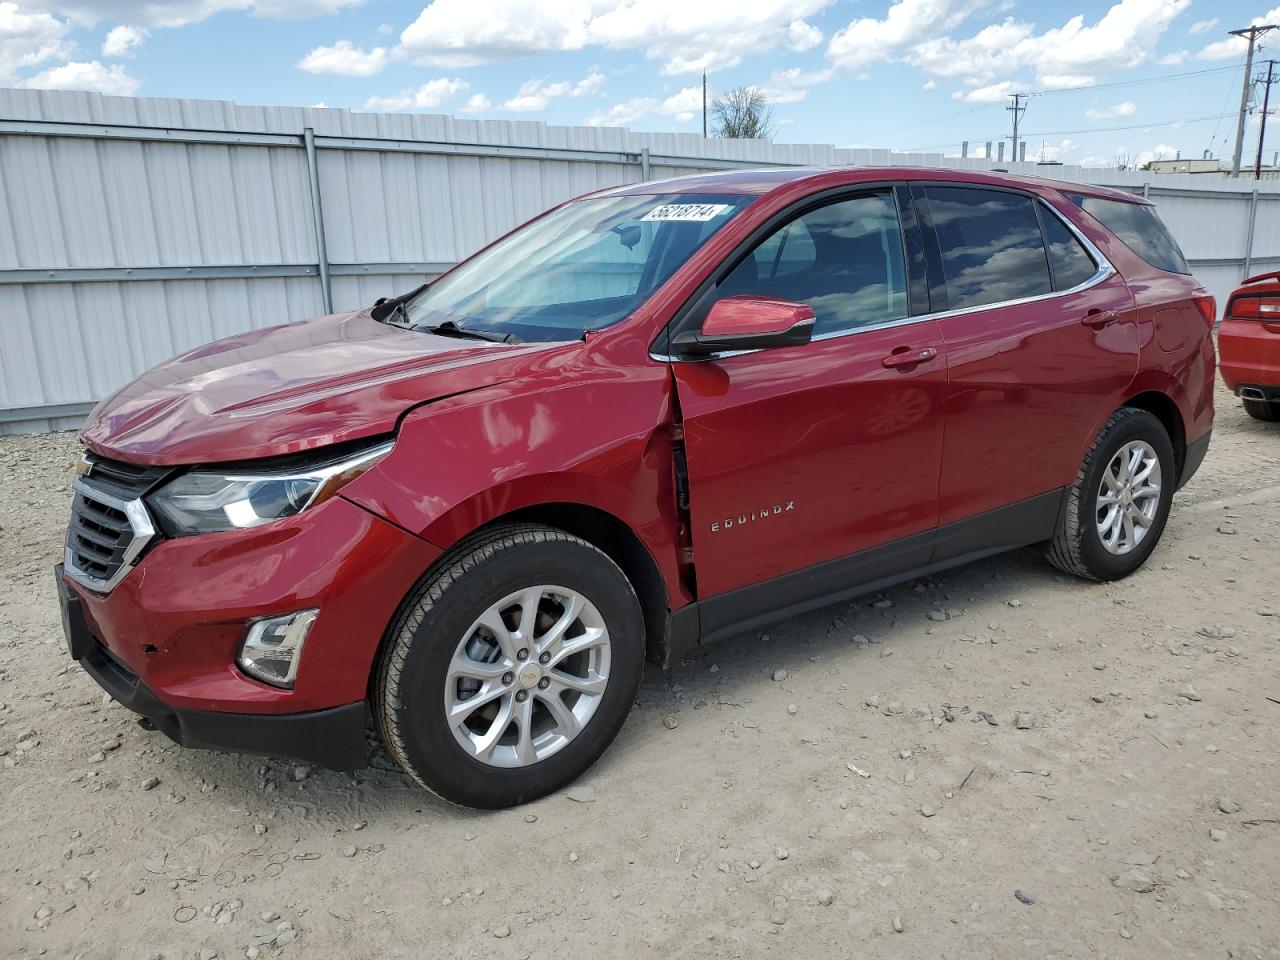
[1267,411]
[1138,425]
[428,743]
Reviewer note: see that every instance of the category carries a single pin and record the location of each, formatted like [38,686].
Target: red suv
[651,417]
[1249,341]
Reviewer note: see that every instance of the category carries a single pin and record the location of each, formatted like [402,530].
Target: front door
[806,454]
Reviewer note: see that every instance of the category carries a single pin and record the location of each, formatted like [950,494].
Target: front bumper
[178,619]
[333,738]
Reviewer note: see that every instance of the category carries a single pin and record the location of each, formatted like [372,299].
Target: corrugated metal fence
[134,229]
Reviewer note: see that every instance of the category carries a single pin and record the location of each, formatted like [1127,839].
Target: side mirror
[749,323]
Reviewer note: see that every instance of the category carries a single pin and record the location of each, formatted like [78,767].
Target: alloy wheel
[1128,497]
[528,676]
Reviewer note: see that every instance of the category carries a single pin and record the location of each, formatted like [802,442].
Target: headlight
[208,500]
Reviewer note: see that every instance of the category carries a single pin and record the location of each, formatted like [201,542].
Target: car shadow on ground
[733,673]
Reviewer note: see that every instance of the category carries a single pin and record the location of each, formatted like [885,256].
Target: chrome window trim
[139,524]
[1105,271]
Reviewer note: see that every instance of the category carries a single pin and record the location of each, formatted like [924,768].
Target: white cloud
[1071,55]
[428,96]
[687,37]
[992,93]
[1174,59]
[906,24]
[802,36]
[683,106]
[27,39]
[477,103]
[929,85]
[536,95]
[1126,109]
[299,9]
[345,59]
[624,114]
[792,85]
[1161,152]
[1063,151]
[122,40]
[177,13]
[1202,26]
[1233,48]
[114,80]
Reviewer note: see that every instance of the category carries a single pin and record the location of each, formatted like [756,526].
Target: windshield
[583,267]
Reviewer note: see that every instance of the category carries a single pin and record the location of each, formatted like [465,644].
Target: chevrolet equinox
[649,418]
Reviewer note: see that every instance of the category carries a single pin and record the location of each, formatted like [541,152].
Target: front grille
[109,524]
[127,481]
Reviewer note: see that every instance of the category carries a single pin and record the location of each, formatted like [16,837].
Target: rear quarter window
[1141,230]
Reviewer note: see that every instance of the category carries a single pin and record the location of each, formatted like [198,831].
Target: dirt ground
[857,783]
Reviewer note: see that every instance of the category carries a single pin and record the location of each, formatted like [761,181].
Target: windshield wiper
[450,329]
[393,310]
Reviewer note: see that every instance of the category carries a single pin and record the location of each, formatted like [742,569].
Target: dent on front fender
[596,438]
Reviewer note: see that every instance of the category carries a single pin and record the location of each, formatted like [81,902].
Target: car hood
[291,388]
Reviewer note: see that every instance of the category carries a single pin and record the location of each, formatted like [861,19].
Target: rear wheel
[1263,410]
[511,668]
[1118,505]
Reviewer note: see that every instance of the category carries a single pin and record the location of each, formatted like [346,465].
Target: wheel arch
[620,543]
[1163,407]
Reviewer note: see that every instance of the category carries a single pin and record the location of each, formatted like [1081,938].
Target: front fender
[599,439]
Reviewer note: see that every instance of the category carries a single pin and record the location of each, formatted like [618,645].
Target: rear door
[1041,344]
[805,454]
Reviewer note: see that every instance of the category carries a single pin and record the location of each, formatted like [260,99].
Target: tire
[1268,410]
[439,621]
[1077,546]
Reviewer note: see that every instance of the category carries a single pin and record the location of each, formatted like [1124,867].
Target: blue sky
[1133,78]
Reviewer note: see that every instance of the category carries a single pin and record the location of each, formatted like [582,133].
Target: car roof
[758,182]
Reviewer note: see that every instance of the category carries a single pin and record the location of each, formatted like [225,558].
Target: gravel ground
[1000,762]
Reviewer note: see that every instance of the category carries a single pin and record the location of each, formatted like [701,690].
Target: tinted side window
[845,260]
[992,250]
[1072,265]
[1141,230]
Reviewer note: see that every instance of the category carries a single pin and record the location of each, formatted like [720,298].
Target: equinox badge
[776,510]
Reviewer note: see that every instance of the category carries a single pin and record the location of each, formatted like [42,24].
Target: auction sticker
[689,212]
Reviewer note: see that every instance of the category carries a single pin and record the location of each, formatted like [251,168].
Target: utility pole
[1017,108]
[1262,130]
[1251,34]
[704,104]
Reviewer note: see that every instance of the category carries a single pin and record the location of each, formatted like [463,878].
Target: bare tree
[742,113]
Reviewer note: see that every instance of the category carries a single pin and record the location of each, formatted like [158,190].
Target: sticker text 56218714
[688,212]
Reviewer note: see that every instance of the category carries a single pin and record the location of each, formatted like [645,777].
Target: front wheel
[1118,505]
[511,667]
[1268,410]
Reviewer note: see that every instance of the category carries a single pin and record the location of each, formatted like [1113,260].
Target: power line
[1213,137]
[1132,83]
[1253,33]
[1063,133]
[1161,78]
[1017,108]
[1132,126]
[1262,130]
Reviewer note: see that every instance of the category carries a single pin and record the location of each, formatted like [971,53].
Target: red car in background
[651,417]
[1249,346]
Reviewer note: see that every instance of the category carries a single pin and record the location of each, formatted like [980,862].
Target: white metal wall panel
[91,202]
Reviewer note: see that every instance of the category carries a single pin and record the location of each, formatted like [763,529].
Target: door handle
[906,357]
[1099,318]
